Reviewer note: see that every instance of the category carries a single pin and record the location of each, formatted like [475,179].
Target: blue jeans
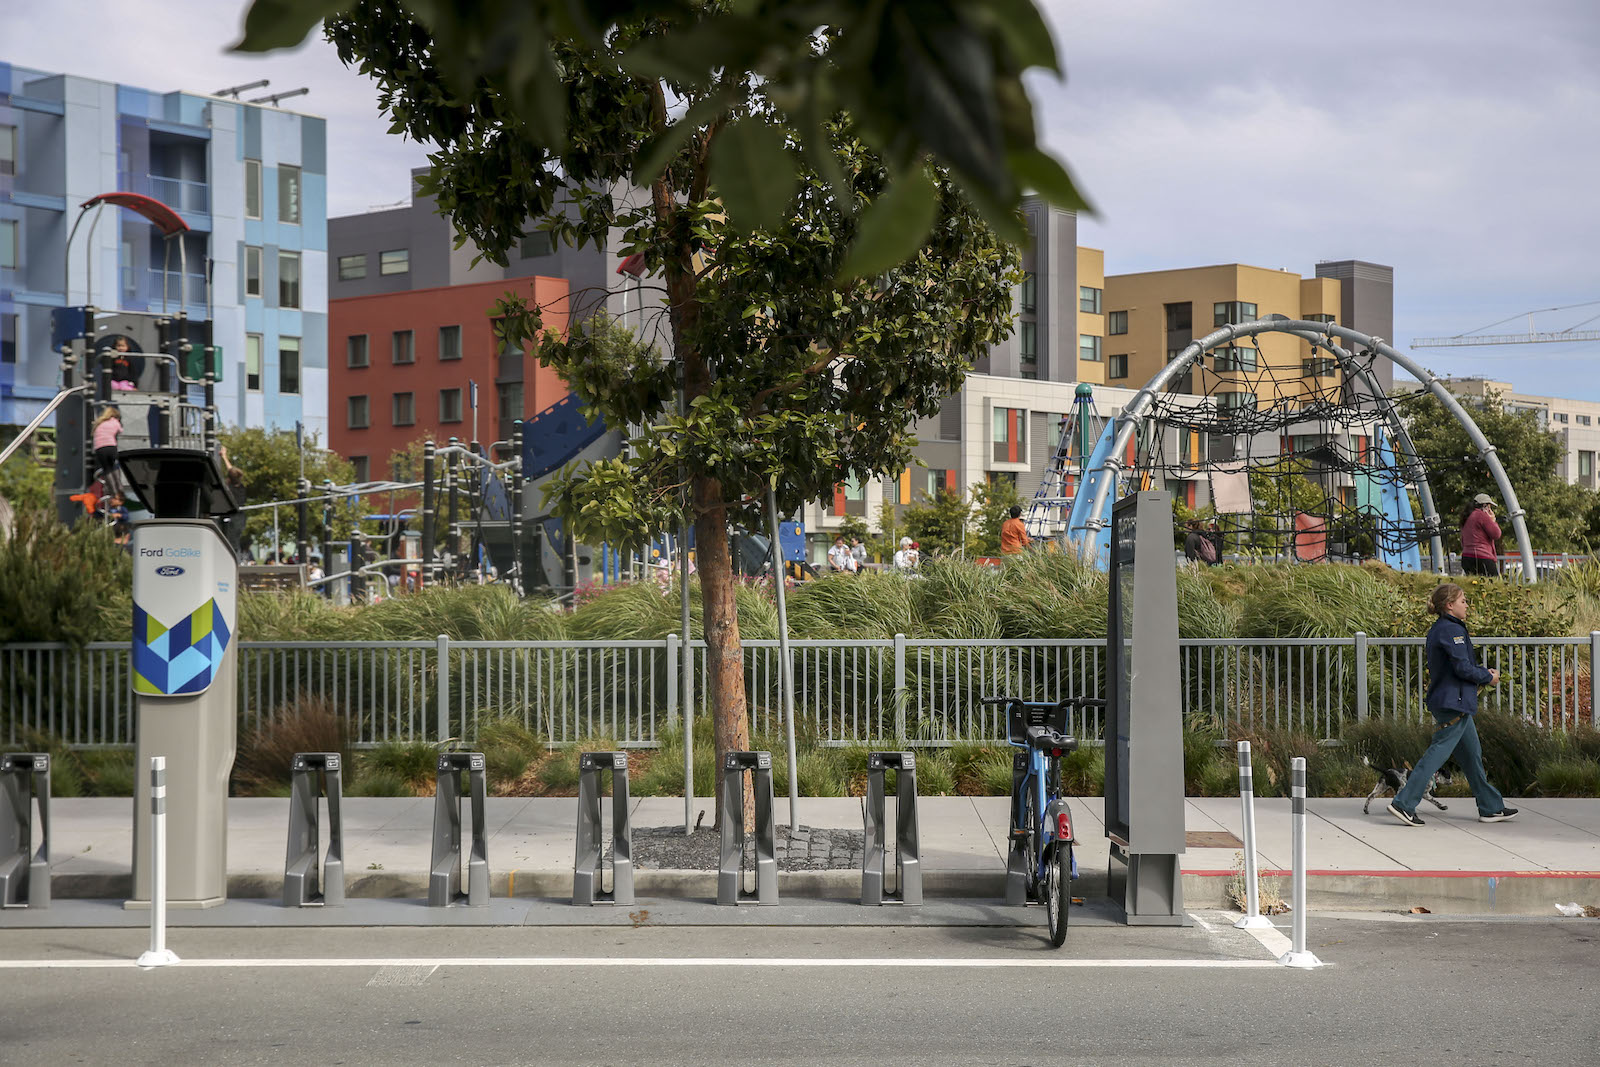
[1460,738]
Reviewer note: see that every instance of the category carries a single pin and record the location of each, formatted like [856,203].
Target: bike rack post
[587,873]
[1253,919]
[907,846]
[24,874]
[1298,956]
[730,875]
[1017,859]
[313,775]
[446,875]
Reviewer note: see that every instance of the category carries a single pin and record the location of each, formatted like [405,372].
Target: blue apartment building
[250,181]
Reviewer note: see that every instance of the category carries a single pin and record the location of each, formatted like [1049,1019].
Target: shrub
[508,747]
[60,584]
[415,764]
[1328,601]
[1083,773]
[1569,778]
[310,724]
[380,783]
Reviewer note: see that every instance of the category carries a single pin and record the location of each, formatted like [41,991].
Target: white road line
[1207,927]
[1273,940]
[659,961]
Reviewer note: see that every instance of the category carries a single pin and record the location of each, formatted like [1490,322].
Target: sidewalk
[1455,865]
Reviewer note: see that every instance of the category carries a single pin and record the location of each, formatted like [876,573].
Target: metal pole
[1253,919]
[451,482]
[516,506]
[1297,956]
[687,672]
[159,955]
[303,519]
[428,509]
[327,537]
[785,666]
[441,651]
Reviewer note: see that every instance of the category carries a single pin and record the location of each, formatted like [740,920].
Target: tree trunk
[724,655]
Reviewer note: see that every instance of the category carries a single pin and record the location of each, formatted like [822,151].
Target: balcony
[143,289]
[182,195]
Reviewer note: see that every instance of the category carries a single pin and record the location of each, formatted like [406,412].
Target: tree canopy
[270,461]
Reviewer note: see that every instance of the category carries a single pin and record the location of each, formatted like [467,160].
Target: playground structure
[1329,434]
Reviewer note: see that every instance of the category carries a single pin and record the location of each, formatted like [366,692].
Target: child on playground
[107,428]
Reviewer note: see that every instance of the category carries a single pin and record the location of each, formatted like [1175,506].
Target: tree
[1279,490]
[939,525]
[270,461]
[24,482]
[923,79]
[799,369]
[1556,512]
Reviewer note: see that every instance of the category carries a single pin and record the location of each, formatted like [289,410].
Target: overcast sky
[1455,140]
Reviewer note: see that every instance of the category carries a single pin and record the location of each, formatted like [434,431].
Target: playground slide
[1078,518]
[1395,504]
[555,436]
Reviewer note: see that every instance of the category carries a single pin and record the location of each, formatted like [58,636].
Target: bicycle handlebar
[1064,702]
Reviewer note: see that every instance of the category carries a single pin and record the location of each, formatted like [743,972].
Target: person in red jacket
[1479,532]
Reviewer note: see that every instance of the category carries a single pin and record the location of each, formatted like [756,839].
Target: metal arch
[1136,409]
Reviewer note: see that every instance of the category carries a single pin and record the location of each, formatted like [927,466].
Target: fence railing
[912,690]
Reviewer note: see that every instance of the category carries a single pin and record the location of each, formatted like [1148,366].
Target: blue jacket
[1453,671]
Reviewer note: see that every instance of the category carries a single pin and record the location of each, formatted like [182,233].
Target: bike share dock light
[588,872]
[730,874]
[907,847]
[314,775]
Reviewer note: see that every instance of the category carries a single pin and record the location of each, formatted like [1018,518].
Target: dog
[1393,780]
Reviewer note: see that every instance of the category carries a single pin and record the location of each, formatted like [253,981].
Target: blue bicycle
[1041,823]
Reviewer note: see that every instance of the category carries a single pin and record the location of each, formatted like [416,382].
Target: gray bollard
[907,846]
[1298,956]
[587,875]
[24,874]
[310,880]
[446,876]
[1253,919]
[730,875]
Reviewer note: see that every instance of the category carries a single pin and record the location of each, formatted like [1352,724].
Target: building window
[1028,343]
[1180,317]
[1228,403]
[536,244]
[288,279]
[8,244]
[355,351]
[450,405]
[1030,293]
[1583,420]
[361,466]
[289,366]
[999,477]
[1010,436]
[404,409]
[1321,367]
[252,188]
[1319,318]
[395,262]
[252,271]
[353,268]
[402,347]
[1089,348]
[1561,417]
[288,194]
[358,416]
[1232,311]
[1586,466]
[1117,367]
[1235,358]
[8,150]
[449,342]
[1089,299]
[252,362]
[8,338]
[510,397]
[1117,323]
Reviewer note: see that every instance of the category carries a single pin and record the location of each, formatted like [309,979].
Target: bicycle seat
[1046,739]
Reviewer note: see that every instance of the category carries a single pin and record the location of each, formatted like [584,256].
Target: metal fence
[908,690]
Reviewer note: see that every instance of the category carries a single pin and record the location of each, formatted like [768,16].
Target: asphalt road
[1396,991]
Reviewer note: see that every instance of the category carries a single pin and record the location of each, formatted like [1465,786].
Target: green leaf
[1040,171]
[752,168]
[273,24]
[892,227]
[1024,30]
[659,150]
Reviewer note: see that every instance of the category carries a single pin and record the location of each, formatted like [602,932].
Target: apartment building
[1577,422]
[249,180]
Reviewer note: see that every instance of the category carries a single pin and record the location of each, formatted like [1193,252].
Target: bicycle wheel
[1030,843]
[1057,897]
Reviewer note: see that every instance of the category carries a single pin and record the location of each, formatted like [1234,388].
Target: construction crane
[1533,336]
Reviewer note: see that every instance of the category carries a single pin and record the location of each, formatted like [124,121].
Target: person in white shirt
[839,557]
[902,558]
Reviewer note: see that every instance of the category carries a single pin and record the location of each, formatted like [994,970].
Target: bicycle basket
[1020,717]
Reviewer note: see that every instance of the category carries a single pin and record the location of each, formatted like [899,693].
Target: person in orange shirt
[1014,534]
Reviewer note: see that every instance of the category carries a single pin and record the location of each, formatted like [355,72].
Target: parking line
[1063,962]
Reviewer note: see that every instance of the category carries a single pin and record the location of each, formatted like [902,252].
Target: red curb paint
[1413,874]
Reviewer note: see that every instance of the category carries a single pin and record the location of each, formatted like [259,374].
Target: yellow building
[1152,316]
[1091,316]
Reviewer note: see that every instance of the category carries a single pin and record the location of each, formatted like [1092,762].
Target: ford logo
[169,571]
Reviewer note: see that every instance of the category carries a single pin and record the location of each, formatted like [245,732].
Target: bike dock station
[24,873]
[309,879]
[588,865]
[730,873]
[449,869]
[907,887]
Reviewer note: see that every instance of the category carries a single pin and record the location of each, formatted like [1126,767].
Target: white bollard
[1253,919]
[159,955]
[1297,956]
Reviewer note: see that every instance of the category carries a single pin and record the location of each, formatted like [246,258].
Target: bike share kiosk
[185,581]
[1144,718]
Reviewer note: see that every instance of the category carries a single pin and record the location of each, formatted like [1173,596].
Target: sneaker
[1407,817]
[1500,816]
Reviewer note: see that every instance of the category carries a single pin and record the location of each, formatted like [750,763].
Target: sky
[1454,140]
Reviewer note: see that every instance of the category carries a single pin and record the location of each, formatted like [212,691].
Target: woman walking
[1454,676]
[1479,532]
